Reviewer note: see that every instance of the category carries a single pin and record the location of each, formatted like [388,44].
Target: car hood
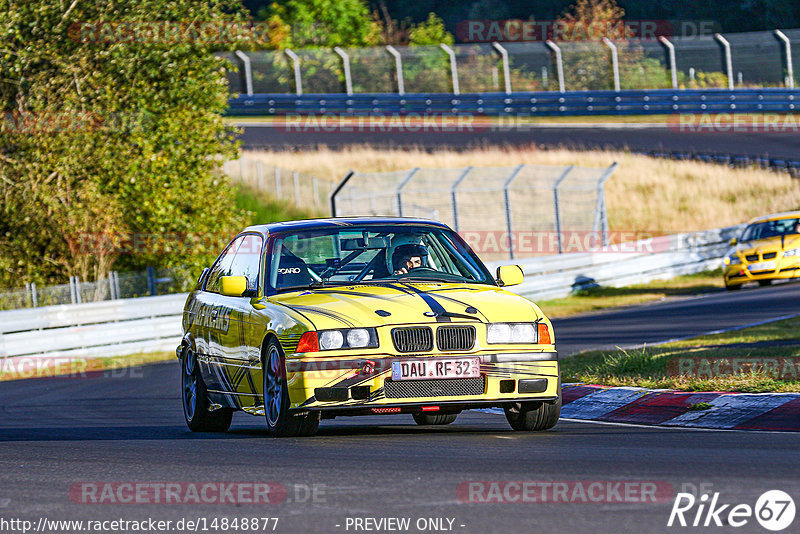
[772,244]
[407,303]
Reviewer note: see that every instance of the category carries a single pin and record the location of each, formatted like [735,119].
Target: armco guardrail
[545,103]
[150,324]
[97,329]
[652,259]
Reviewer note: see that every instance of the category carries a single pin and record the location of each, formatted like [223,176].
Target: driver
[408,257]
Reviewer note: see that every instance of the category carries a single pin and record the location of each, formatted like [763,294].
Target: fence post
[600,215]
[241,169]
[315,187]
[259,176]
[72,289]
[673,71]
[787,47]
[34,295]
[557,207]
[614,61]
[506,69]
[278,182]
[399,191]
[453,195]
[726,48]
[248,73]
[453,66]
[336,190]
[110,286]
[298,77]
[398,65]
[559,64]
[348,82]
[151,281]
[509,228]
[77,290]
[296,179]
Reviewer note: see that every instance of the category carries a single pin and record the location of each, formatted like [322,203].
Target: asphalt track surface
[128,427]
[781,145]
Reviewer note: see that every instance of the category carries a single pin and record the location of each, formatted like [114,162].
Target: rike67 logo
[774,510]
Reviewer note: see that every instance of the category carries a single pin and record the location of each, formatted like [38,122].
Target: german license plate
[763,266]
[432,368]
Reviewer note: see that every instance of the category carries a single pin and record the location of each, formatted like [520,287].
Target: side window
[222,267]
[247,259]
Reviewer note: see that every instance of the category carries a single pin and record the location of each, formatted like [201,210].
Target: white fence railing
[150,324]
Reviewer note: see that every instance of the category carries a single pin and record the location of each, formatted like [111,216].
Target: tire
[534,416]
[424,419]
[764,283]
[281,422]
[195,399]
[733,288]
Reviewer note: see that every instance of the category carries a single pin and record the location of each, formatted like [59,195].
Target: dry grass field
[644,194]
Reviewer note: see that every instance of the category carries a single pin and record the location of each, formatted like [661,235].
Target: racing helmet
[403,253]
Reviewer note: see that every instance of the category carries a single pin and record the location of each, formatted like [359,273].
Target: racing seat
[292,271]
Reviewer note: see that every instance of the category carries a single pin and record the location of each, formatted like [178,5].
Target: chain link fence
[495,206]
[756,59]
[150,282]
[298,188]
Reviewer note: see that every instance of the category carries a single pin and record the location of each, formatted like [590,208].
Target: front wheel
[424,419]
[195,399]
[282,422]
[536,415]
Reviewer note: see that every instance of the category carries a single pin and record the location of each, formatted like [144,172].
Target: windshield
[766,229]
[372,254]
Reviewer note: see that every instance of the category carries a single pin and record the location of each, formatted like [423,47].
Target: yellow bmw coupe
[308,320]
[767,250]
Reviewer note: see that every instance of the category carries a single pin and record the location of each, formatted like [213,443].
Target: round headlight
[498,333]
[734,259]
[358,337]
[523,333]
[331,339]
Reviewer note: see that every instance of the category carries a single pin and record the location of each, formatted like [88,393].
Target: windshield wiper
[313,285]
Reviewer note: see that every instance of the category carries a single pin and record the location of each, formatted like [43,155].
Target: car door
[243,351]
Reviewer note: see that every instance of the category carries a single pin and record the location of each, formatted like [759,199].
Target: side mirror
[233,286]
[733,242]
[509,275]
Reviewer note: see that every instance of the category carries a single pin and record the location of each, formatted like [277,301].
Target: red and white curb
[731,411]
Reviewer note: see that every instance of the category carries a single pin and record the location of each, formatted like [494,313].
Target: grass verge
[759,359]
[264,208]
[601,298]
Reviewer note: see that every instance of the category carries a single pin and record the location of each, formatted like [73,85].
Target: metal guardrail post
[34,295]
[248,72]
[453,195]
[151,281]
[726,47]
[298,77]
[509,226]
[506,69]
[336,190]
[614,61]
[348,81]
[787,47]
[557,207]
[673,71]
[398,65]
[453,67]
[399,191]
[559,64]
[600,215]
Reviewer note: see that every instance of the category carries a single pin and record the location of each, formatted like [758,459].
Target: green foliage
[263,208]
[430,32]
[326,23]
[110,143]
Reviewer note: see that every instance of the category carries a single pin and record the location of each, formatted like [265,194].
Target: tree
[325,23]
[112,135]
